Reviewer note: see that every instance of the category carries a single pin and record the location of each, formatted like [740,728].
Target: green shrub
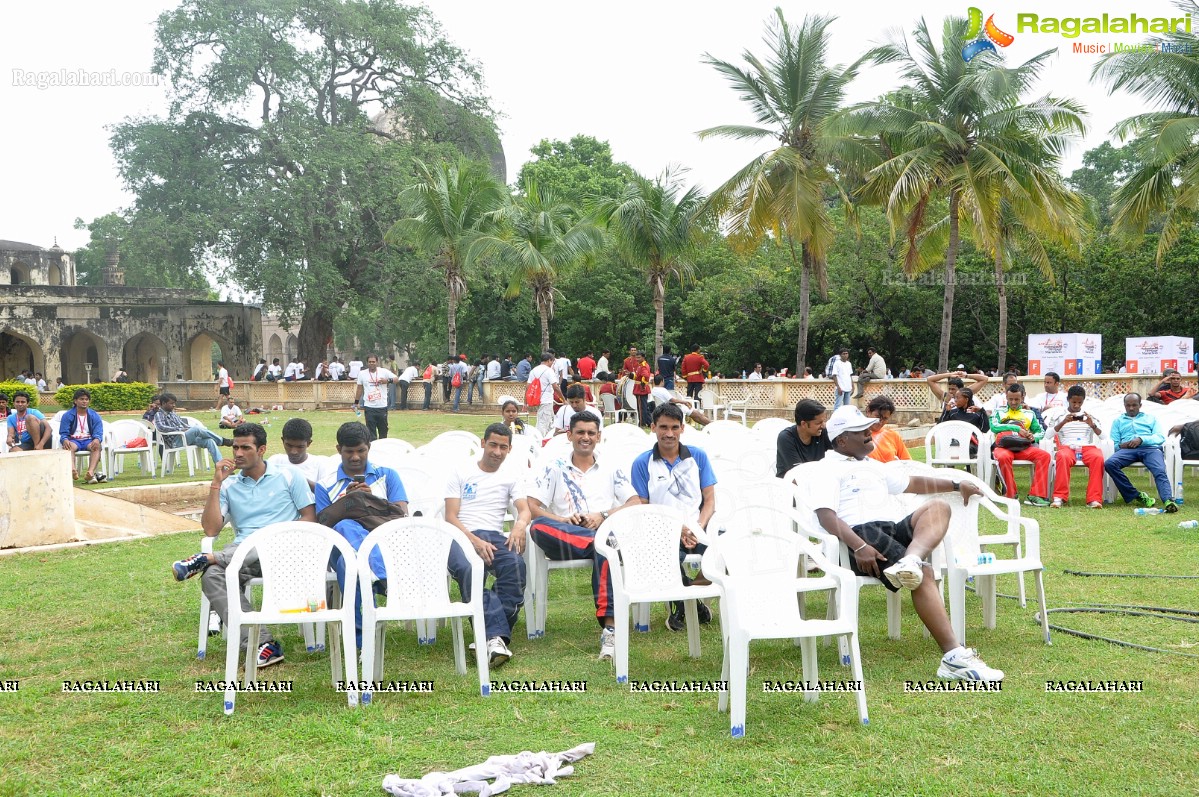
[8,388]
[109,396]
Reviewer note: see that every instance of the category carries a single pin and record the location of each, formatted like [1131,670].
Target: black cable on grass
[1123,575]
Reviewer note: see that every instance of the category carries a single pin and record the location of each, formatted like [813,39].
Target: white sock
[960,650]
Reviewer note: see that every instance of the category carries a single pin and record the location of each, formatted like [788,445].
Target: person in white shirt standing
[756,374]
[231,416]
[476,498]
[222,382]
[406,379]
[543,374]
[372,393]
[562,372]
[842,379]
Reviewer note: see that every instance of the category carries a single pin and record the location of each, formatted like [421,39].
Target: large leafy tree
[153,251]
[655,224]
[1165,185]
[958,130]
[539,238]
[580,171]
[450,213]
[793,93]
[268,163]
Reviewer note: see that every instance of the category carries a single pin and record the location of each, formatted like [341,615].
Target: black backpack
[1190,440]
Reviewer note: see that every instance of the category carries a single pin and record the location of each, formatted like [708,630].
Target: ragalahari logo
[983,37]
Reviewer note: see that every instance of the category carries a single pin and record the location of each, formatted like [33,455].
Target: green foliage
[109,396]
[580,171]
[8,388]
[153,251]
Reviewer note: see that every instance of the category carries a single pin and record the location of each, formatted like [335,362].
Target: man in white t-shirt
[337,369]
[544,375]
[222,382]
[493,368]
[275,370]
[576,401]
[476,498]
[1054,398]
[372,393]
[230,414]
[659,395]
[297,437]
[355,368]
[842,379]
[562,371]
[409,376]
[851,496]
[289,373]
[998,402]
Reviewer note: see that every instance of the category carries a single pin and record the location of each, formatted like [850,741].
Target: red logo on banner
[1034,367]
[1130,366]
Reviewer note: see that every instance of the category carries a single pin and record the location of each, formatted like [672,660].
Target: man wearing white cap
[851,499]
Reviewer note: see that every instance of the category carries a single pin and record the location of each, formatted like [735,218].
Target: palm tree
[956,130]
[539,238]
[449,209]
[1167,180]
[654,223]
[781,194]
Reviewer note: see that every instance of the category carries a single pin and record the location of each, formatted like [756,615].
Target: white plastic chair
[738,407]
[624,433]
[1176,465]
[294,558]
[202,455]
[710,404]
[456,443]
[948,444]
[172,445]
[758,570]
[391,447]
[117,435]
[767,430]
[424,484]
[415,552]
[645,570]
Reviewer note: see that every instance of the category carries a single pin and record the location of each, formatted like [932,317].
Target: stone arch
[293,348]
[19,273]
[201,354]
[19,352]
[79,347]
[144,358]
[274,349]
[54,275]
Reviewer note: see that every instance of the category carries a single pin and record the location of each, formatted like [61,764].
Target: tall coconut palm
[449,209]
[539,237]
[654,224]
[793,93]
[955,130]
[1167,180]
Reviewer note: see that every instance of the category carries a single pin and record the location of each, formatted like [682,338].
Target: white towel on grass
[539,768]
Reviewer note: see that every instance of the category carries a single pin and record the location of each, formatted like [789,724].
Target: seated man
[1052,399]
[476,498]
[27,427]
[1188,443]
[151,410]
[806,441]
[852,501]
[1171,389]
[1138,437]
[679,476]
[999,402]
[260,496]
[173,427]
[356,473]
[81,429]
[964,408]
[659,396]
[1017,432]
[231,416]
[576,402]
[568,500]
[888,444]
[297,437]
[1076,433]
[4,410]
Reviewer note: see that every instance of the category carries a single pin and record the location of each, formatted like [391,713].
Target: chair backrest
[391,445]
[456,441]
[118,433]
[708,400]
[622,432]
[730,430]
[949,441]
[647,538]
[767,429]
[55,424]
[415,551]
[194,423]
[608,402]
[557,446]
[424,484]
[758,460]
[294,557]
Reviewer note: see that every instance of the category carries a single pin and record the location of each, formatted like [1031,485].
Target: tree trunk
[951,256]
[452,324]
[545,326]
[659,316]
[805,308]
[316,333]
[1001,289]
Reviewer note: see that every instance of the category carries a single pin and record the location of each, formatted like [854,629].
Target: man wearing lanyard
[82,430]
[27,427]
[372,392]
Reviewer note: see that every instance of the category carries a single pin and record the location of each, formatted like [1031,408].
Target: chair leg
[309,634]
[620,620]
[692,615]
[1044,607]
[857,676]
[986,591]
[1016,550]
[738,675]
[202,644]
[722,702]
[459,646]
[543,594]
[335,656]
[251,672]
[530,606]
[811,672]
[231,651]
[641,614]
[350,673]
[370,635]
[481,663]
[957,603]
[894,608]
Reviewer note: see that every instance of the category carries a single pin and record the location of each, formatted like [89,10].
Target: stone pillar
[37,500]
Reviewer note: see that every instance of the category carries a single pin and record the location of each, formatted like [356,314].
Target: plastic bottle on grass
[1141,510]
[1189,524]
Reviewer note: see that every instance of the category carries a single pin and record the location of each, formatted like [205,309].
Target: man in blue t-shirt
[81,430]
[27,427]
[356,473]
[680,476]
[257,497]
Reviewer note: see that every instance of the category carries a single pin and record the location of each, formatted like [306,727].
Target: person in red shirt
[641,389]
[586,366]
[694,367]
[631,362]
[609,386]
[1171,389]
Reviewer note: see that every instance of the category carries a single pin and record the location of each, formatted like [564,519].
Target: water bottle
[986,559]
[357,410]
[955,449]
[744,374]
[1189,524]
[1140,510]
[1078,456]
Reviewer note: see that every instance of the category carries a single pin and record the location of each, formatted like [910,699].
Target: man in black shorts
[852,501]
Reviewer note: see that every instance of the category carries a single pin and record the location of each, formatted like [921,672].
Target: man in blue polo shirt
[257,497]
[1138,437]
[680,476]
[356,473]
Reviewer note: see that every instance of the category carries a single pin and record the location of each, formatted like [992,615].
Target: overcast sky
[627,72]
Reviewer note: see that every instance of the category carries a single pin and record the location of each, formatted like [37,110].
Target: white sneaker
[607,644]
[1057,503]
[214,623]
[907,573]
[963,664]
[497,651]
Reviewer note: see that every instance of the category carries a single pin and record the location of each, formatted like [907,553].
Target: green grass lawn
[114,612]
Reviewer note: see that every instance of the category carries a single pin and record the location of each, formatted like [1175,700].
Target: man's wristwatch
[603,515]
